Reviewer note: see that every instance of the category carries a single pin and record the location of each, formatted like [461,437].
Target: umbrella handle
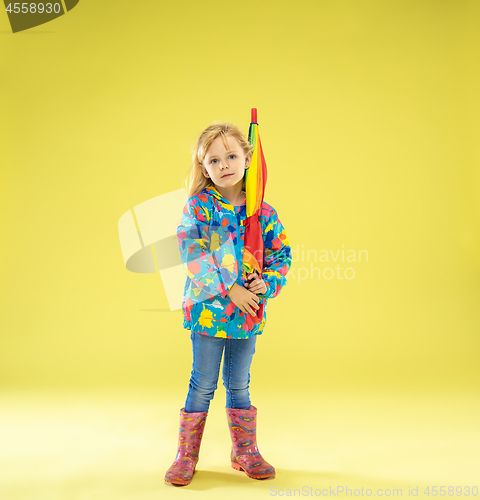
[254,115]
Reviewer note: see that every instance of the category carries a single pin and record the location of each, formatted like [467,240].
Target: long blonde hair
[195,181]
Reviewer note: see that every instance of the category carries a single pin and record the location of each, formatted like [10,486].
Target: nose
[223,165]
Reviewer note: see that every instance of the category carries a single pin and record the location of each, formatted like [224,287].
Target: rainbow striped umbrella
[255,181]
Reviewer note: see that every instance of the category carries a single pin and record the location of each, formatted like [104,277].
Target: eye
[232,155]
[213,161]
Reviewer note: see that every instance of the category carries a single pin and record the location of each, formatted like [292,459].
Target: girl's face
[226,167]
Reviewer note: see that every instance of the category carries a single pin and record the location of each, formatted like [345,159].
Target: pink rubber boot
[245,455]
[189,440]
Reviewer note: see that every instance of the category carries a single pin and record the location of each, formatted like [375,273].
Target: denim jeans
[207,355]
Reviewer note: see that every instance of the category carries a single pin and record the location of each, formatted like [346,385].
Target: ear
[204,171]
[248,160]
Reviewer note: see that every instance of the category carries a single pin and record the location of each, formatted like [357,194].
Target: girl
[220,299]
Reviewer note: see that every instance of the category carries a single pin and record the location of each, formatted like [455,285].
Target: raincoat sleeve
[278,256]
[207,255]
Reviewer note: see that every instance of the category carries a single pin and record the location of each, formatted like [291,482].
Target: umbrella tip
[254,115]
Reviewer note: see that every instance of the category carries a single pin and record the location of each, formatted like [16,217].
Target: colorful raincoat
[210,239]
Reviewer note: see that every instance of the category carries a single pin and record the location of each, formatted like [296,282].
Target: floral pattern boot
[189,440]
[245,455]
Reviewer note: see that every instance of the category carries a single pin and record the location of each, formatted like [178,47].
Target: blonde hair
[195,181]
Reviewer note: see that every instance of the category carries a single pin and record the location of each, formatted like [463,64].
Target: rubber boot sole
[253,476]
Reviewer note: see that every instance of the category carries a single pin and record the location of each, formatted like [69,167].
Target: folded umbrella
[255,181]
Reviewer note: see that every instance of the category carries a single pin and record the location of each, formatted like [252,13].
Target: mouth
[226,175]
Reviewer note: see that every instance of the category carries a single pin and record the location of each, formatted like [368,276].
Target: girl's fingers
[249,311]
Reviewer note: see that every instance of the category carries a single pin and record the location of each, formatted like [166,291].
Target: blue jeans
[207,355]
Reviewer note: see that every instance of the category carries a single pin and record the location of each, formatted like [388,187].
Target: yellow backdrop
[368,117]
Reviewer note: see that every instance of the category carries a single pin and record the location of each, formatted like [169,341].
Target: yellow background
[368,116]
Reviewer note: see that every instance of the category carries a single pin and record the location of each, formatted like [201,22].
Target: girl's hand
[243,299]
[257,286]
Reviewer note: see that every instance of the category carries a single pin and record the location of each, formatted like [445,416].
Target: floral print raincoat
[210,239]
